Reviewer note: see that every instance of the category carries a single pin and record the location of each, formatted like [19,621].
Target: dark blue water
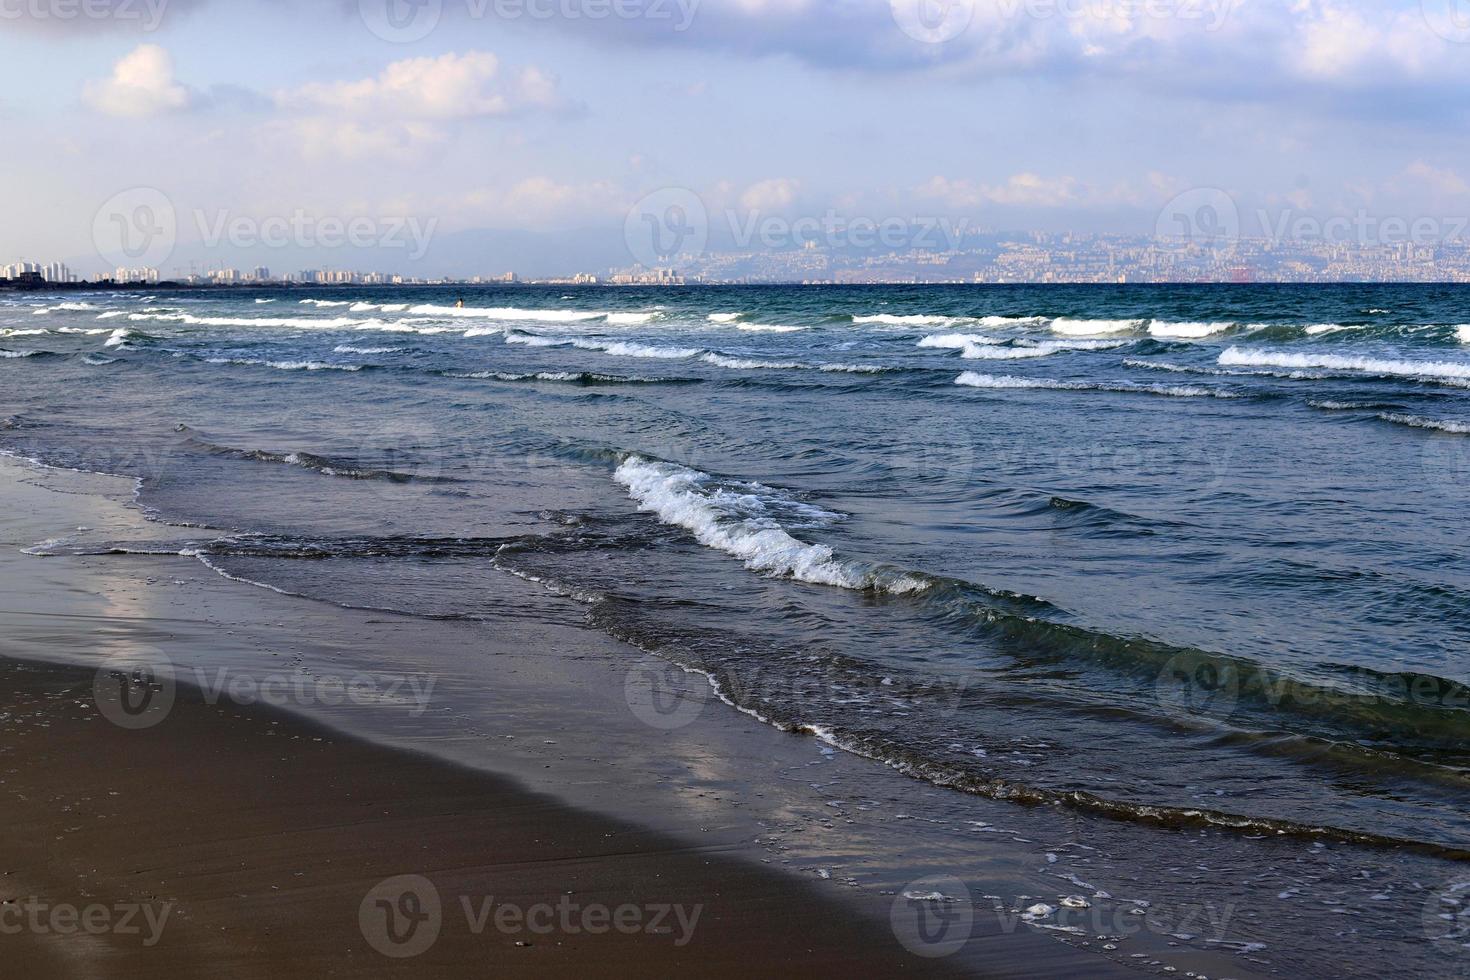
[1179,554]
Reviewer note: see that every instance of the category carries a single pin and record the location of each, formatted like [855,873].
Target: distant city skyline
[539,131]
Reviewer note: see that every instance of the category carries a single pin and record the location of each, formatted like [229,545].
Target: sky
[474,136]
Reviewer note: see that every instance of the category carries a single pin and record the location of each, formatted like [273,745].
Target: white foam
[982,352]
[507,313]
[955,341]
[736,520]
[287,323]
[745,364]
[1186,331]
[64,307]
[1093,328]
[1439,370]
[111,314]
[482,331]
[1419,422]
[9,354]
[23,333]
[119,337]
[262,302]
[1463,333]
[768,328]
[629,319]
[325,303]
[87,331]
[286,365]
[349,349]
[1317,329]
[535,340]
[971,379]
[913,320]
[724,317]
[621,349]
[853,368]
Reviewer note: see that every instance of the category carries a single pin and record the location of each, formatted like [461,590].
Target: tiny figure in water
[459,305]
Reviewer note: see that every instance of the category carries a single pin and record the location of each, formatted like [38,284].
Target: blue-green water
[1190,554]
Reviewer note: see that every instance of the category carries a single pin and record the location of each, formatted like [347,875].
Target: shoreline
[710,810]
[261,843]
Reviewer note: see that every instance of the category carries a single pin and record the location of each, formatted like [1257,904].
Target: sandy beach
[198,820]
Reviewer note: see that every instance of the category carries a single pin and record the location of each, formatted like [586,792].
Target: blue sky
[1089,115]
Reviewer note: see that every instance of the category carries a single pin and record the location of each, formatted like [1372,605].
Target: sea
[1193,556]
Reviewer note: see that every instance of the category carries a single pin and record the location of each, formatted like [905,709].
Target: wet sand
[251,840]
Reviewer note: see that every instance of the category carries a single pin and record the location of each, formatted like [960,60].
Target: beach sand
[528,789]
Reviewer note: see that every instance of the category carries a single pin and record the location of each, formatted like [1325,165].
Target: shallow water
[1178,554]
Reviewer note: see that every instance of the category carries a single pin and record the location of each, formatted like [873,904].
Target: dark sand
[265,834]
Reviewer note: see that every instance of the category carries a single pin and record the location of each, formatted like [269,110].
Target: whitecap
[1186,331]
[768,328]
[724,317]
[746,364]
[1093,328]
[1452,371]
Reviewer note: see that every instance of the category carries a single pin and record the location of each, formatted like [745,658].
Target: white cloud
[452,86]
[776,194]
[1027,189]
[142,84]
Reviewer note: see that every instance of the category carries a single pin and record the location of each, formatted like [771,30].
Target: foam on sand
[1452,371]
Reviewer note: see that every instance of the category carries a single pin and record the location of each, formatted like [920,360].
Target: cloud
[142,84]
[1025,189]
[777,194]
[450,87]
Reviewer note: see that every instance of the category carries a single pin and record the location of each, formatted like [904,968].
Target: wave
[571,377]
[1186,331]
[630,319]
[1318,329]
[284,365]
[745,364]
[111,314]
[741,519]
[16,354]
[912,320]
[856,368]
[506,313]
[304,460]
[536,340]
[1093,328]
[120,337]
[629,349]
[956,341]
[724,317]
[482,332]
[1438,370]
[983,352]
[38,332]
[1463,333]
[262,302]
[349,349]
[378,307]
[1419,422]
[768,328]
[97,360]
[86,331]
[971,379]
[325,303]
[66,308]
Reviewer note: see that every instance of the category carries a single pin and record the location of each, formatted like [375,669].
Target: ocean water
[1181,555]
